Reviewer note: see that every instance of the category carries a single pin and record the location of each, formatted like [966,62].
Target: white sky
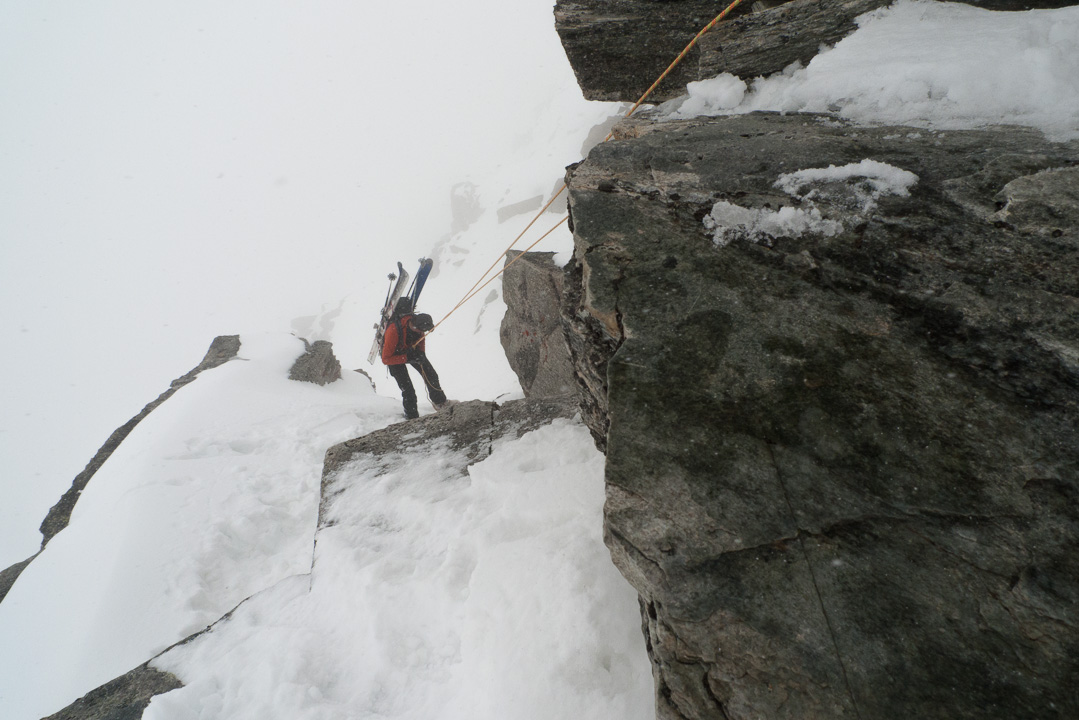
[174,171]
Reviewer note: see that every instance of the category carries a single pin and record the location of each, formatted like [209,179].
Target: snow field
[438,594]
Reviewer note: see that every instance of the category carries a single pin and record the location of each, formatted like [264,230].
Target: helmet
[423,322]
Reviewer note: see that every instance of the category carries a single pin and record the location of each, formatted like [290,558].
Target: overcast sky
[172,171]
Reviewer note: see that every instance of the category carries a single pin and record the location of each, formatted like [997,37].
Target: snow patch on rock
[865,182]
[857,186]
[727,222]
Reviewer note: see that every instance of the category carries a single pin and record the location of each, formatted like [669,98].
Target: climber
[403,345]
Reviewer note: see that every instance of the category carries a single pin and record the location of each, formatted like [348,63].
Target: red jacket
[395,347]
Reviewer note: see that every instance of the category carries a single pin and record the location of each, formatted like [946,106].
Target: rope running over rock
[477,286]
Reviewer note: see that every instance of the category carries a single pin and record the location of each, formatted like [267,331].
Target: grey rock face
[11,574]
[124,698]
[222,349]
[317,365]
[619,47]
[531,331]
[1044,203]
[843,456]
[765,42]
[471,427]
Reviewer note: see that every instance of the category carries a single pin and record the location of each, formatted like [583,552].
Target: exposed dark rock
[842,466]
[1046,203]
[124,698]
[11,574]
[592,336]
[466,425]
[619,47]
[531,329]
[469,427]
[763,43]
[317,365]
[222,349]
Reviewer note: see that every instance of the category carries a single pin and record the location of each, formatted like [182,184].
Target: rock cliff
[531,330]
[836,374]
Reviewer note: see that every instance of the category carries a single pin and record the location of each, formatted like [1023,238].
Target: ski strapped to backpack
[395,293]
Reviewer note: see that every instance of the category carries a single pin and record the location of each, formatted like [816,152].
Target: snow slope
[212,498]
[439,595]
[435,594]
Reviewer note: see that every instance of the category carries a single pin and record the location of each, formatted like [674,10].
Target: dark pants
[408,393]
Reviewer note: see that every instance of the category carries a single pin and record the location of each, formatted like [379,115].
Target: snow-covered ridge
[438,578]
[459,572]
[211,498]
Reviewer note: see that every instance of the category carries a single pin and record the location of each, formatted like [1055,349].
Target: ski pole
[389,290]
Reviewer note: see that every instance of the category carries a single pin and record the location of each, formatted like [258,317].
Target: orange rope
[475,290]
[469,294]
[477,287]
[715,21]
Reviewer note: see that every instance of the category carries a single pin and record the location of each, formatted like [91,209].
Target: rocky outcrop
[602,40]
[11,574]
[766,42]
[467,428]
[619,47]
[840,405]
[317,365]
[531,330]
[124,698]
